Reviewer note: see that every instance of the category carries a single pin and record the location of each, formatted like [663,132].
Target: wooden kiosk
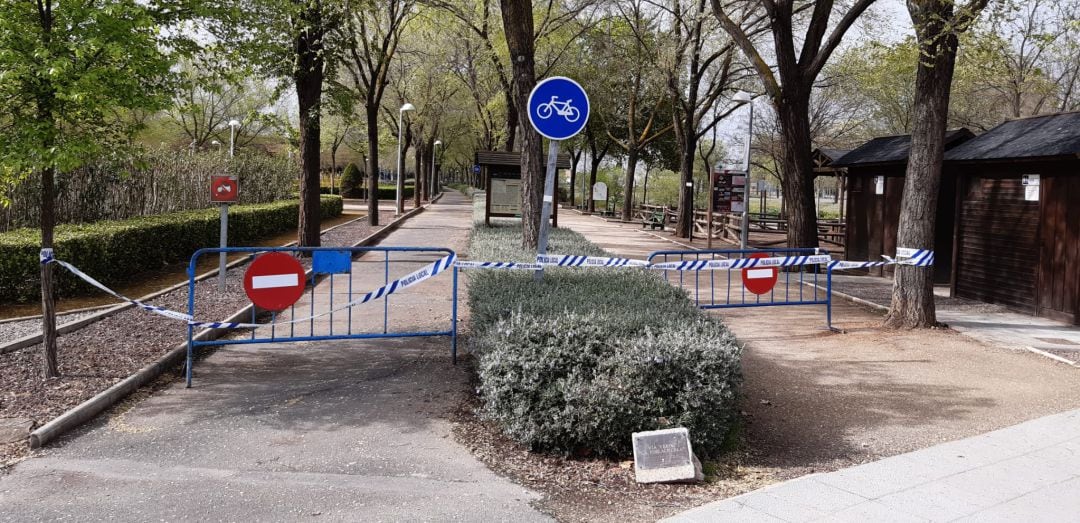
[501,175]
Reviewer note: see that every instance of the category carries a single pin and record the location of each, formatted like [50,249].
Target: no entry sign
[759,280]
[274,281]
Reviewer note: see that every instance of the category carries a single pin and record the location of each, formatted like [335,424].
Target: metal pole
[709,195]
[584,202]
[399,185]
[746,185]
[232,140]
[224,244]
[549,199]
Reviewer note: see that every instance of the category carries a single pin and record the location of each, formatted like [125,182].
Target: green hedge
[577,362]
[112,251]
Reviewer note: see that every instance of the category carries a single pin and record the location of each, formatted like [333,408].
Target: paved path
[991,323]
[814,401]
[335,431]
[1029,472]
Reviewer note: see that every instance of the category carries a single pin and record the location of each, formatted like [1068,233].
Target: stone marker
[665,456]
[14,429]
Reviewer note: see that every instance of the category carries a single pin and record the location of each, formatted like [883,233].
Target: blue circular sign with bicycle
[558,108]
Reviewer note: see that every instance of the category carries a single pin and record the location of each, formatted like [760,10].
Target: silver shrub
[577,362]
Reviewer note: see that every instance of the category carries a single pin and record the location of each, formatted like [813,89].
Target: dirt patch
[101,354]
[596,489]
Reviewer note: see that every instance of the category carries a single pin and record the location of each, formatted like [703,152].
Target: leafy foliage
[62,87]
[147,183]
[580,360]
[352,181]
[112,251]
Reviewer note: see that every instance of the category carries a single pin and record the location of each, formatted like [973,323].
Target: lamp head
[742,97]
[438,142]
[408,107]
[234,123]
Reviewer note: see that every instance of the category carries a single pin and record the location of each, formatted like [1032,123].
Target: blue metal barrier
[288,332]
[798,285]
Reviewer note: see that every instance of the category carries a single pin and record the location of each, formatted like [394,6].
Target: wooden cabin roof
[893,150]
[513,158]
[1044,137]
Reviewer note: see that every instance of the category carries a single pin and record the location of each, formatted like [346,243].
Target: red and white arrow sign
[274,281]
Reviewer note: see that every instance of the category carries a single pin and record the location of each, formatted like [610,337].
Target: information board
[729,191]
[505,195]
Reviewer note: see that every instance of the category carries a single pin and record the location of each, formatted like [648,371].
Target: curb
[34,339]
[90,408]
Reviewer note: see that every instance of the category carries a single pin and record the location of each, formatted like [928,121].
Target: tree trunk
[518,27]
[797,171]
[373,164]
[913,287]
[574,160]
[628,185]
[511,120]
[592,181]
[309,80]
[48,300]
[685,222]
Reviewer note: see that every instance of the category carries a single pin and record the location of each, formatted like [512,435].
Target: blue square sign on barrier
[331,262]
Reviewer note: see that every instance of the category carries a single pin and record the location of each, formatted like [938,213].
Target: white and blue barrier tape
[561,260]
[917,257]
[463,264]
[409,280]
[914,257]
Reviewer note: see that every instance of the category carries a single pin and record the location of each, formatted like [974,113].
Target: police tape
[409,280]
[918,258]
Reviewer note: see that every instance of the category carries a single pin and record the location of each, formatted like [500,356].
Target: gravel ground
[13,330]
[94,358]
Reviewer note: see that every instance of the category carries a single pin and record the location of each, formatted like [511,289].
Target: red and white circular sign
[759,280]
[224,189]
[274,281]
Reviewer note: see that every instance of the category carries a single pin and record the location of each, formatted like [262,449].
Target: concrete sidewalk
[1028,472]
[993,324]
[348,430]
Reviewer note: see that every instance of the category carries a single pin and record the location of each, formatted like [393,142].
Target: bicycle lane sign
[558,108]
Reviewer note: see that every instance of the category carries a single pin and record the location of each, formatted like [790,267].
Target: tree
[291,41]
[520,40]
[789,86]
[697,75]
[938,24]
[372,32]
[65,68]
[643,105]
[207,100]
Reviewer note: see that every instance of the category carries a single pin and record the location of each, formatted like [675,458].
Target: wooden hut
[501,175]
[875,185]
[1017,216]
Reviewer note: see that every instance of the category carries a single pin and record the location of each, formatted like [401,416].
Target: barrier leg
[453,319]
[190,359]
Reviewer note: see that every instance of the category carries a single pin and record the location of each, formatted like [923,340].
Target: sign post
[224,190]
[558,109]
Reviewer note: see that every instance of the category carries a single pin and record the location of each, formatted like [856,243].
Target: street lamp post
[744,98]
[431,184]
[399,204]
